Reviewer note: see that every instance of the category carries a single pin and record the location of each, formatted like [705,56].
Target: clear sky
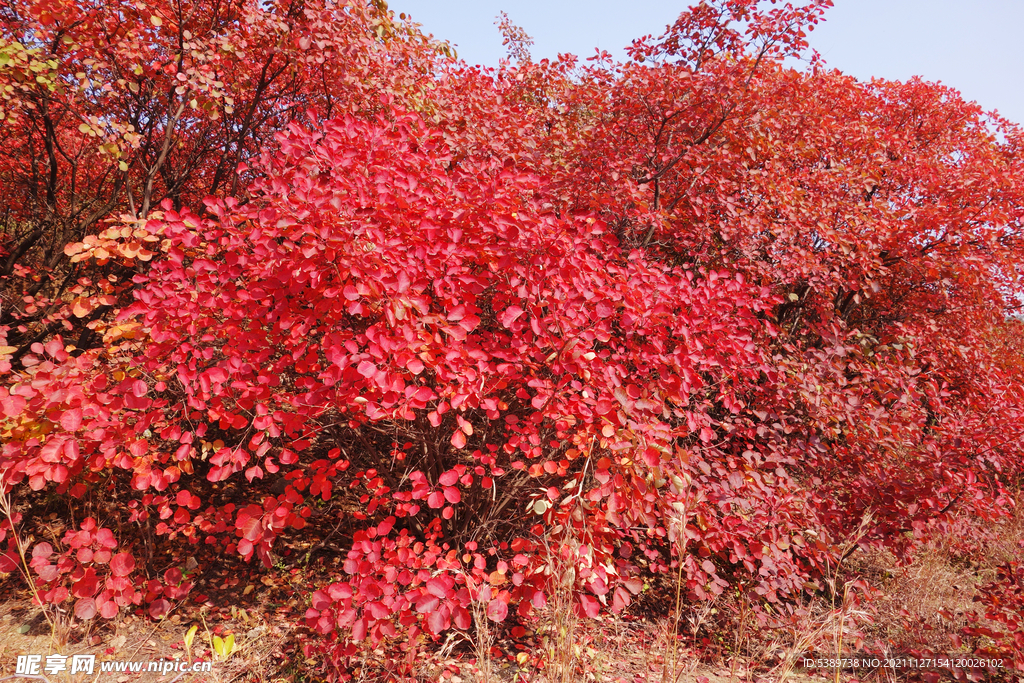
[975,46]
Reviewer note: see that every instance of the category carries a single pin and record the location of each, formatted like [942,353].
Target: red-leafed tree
[508,318]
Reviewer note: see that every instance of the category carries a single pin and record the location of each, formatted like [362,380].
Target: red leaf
[359,630]
[87,585]
[591,607]
[320,601]
[122,564]
[620,600]
[459,439]
[437,587]
[159,608]
[510,314]
[251,528]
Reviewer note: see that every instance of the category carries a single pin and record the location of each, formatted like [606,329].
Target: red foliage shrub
[592,309]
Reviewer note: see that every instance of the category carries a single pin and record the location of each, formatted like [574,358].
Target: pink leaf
[13,405]
[461,617]
[427,603]
[47,572]
[85,608]
[71,420]
[437,621]
[497,610]
[105,537]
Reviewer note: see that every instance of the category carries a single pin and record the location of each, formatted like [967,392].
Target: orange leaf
[81,307]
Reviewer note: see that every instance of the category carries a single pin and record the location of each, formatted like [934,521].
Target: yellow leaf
[155,20]
[189,635]
[5,350]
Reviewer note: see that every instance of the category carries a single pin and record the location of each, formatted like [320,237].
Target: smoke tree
[263,256]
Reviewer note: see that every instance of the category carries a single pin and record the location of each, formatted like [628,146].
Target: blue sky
[975,47]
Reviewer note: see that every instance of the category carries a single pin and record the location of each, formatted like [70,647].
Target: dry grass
[923,603]
[136,640]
